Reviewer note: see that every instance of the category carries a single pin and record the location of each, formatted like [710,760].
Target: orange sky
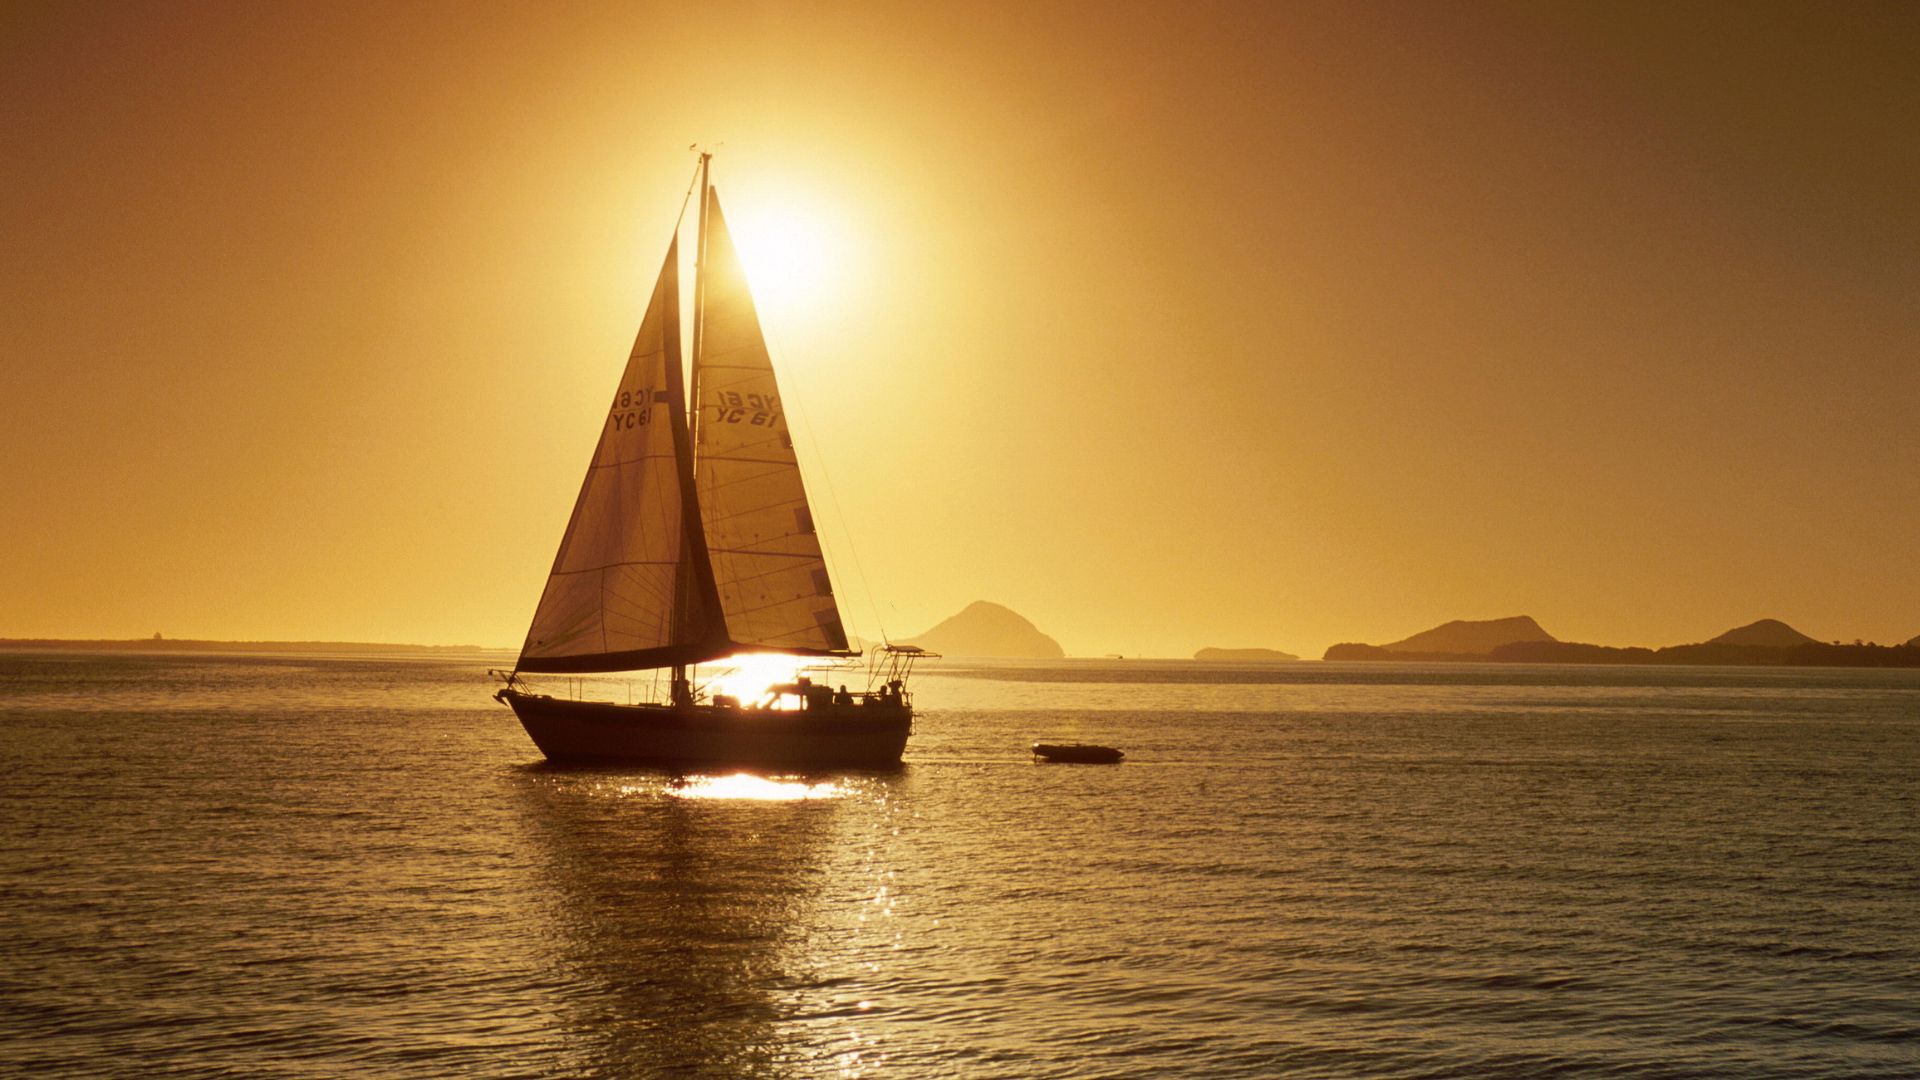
[1164,325]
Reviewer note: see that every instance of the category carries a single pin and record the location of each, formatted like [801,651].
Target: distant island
[156,643]
[1471,638]
[986,629]
[1246,656]
[1520,640]
[1765,634]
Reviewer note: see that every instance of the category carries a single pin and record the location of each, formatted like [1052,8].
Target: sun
[796,255]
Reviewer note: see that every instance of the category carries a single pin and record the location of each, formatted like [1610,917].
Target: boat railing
[890,665]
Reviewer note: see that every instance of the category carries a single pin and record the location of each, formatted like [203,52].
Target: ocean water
[290,866]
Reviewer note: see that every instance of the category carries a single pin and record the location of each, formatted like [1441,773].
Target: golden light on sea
[746,786]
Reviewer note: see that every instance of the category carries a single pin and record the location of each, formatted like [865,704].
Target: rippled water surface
[319,867]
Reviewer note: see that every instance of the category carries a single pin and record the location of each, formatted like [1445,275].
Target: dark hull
[1077,753]
[708,736]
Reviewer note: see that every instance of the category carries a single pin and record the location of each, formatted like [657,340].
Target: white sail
[609,603]
[772,581]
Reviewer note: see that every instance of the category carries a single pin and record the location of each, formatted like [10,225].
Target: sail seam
[750,511]
[630,461]
[763,575]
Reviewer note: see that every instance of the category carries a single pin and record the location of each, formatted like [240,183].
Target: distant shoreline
[197,645]
[1530,652]
[1706,654]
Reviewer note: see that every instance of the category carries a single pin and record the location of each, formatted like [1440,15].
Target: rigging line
[688,197]
[833,496]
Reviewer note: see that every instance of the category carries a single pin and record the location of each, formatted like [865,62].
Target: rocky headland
[989,630]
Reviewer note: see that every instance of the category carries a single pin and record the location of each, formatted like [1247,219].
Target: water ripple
[282,866]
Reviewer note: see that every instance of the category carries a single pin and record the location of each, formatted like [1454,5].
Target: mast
[681,689]
[699,305]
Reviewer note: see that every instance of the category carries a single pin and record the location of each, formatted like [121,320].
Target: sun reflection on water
[749,786]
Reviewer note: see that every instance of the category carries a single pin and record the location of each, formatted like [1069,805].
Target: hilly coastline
[1768,642]
[989,630]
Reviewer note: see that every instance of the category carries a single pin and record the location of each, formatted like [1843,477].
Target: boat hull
[1077,753]
[866,736]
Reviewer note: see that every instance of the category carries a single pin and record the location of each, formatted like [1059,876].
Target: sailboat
[692,541]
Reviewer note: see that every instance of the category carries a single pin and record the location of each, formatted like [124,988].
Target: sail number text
[733,407]
[632,409]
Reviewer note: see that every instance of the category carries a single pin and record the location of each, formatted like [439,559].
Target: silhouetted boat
[692,541]
[1077,753]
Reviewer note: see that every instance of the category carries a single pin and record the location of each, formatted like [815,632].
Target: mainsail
[610,603]
[767,567]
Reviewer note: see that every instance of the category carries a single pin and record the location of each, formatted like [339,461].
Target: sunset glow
[1324,539]
[1284,326]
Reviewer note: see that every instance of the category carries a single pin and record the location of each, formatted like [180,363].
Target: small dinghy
[1077,753]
